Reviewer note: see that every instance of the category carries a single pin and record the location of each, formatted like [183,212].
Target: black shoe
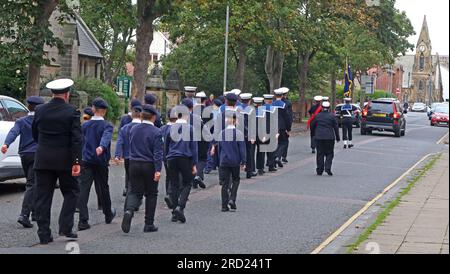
[201,184]
[174,218]
[260,172]
[126,221]
[280,164]
[330,173]
[83,226]
[232,205]
[179,213]
[168,202]
[319,173]
[351,146]
[249,176]
[313,151]
[272,169]
[124,192]
[150,228]
[285,161]
[25,222]
[70,235]
[225,209]
[345,146]
[46,241]
[110,218]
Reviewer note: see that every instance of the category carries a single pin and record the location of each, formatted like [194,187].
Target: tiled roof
[89,46]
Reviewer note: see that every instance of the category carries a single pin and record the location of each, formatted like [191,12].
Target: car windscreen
[442,109]
[381,107]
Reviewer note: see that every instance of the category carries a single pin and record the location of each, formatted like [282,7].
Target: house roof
[88,44]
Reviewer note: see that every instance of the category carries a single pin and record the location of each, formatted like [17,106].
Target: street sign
[368,84]
[124,85]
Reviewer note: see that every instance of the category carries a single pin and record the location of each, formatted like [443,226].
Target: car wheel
[398,133]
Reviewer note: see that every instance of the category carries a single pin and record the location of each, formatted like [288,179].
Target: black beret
[100,103]
[35,100]
[218,102]
[150,109]
[88,111]
[187,102]
[232,97]
[135,102]
[150,99]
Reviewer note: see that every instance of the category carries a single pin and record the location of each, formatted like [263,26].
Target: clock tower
[423,71]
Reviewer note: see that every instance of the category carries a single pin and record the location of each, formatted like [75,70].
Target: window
[421,85]
[381,107]
[422,62]
[15,109]
[3,112]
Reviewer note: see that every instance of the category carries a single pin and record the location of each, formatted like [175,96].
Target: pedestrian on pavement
[250,140]
[347,117]
[232,157]
[146,156]
[127,118]
[325,130]
[57,131]
[27,150]
[284,124]
[182,158]
[315,109]
[97,136]
[151,99]
[165,131]
[123,145]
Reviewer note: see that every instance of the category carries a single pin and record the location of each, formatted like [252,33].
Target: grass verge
[388,209]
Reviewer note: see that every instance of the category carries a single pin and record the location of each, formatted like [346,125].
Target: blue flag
[348,82]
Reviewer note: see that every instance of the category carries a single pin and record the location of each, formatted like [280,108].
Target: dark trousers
[168,184]
[180,173]
[313,141]
[347,129]
[325,155]
[127,173]
[250,164]
[142,183]
[283,142]
[286,149]
[29,196]
[89,174]
[201,168]
[229,178]
[45,188]
[211,162]
[261,158]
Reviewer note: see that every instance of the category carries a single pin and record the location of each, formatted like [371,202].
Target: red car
[440,116]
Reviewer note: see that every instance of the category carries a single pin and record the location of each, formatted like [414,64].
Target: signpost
[124,85]
[368,84]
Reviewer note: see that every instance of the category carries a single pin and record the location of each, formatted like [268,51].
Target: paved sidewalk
[420,223]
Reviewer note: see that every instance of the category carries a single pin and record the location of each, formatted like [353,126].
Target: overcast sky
[437,12]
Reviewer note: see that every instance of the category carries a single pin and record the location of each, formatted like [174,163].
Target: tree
[25,29]
[113,22]
[147,12]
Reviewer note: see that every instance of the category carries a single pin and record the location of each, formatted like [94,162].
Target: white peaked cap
[201,95]
[325,98]
[326,104]
[60,84]
[282,90]
[246,96]
[236,91]
[258,100]
[190,89]
[318,98]
[268,96]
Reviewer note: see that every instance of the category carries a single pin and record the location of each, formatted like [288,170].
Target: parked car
[432,110]
[419,107]
[384,115]
[10,164]
[357,118]
[440,116]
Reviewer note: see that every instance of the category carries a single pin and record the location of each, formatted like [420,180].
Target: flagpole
[225,71]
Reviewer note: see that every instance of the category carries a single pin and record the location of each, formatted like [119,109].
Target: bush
[96,88]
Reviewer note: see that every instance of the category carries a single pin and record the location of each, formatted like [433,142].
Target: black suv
[384,115]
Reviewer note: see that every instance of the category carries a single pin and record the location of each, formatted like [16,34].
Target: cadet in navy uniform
[250,141]
[260,117]
[326,132]
[126,119]
[97,136]
[87,114]
[146,156]
[231,149]
[27,150]
[203,145]
[182,158]
[288,103]
[123,144]
[151,99]
[347,115]
[165,131]
[57,131]
[270,109]
[284,124]
[212,161]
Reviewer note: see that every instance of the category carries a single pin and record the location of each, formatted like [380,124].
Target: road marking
[442,139]
[365,208]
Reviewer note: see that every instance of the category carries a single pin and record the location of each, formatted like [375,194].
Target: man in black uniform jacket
[57,131]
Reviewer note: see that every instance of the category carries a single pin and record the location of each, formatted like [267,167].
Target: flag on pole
[348,82]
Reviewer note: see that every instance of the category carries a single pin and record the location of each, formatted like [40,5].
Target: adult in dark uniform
[284,124]
[288,103]
[57,131]
[146,156]
[250,137]
[313,111]
[203,145]
[151,99]
[27,150]
[189,93]
[347,116]
[260,116]
[325,129]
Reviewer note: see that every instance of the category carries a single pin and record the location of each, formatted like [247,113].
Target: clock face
[422,48]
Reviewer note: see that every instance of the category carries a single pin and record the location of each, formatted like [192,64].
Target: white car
[10,164]
[419,107]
